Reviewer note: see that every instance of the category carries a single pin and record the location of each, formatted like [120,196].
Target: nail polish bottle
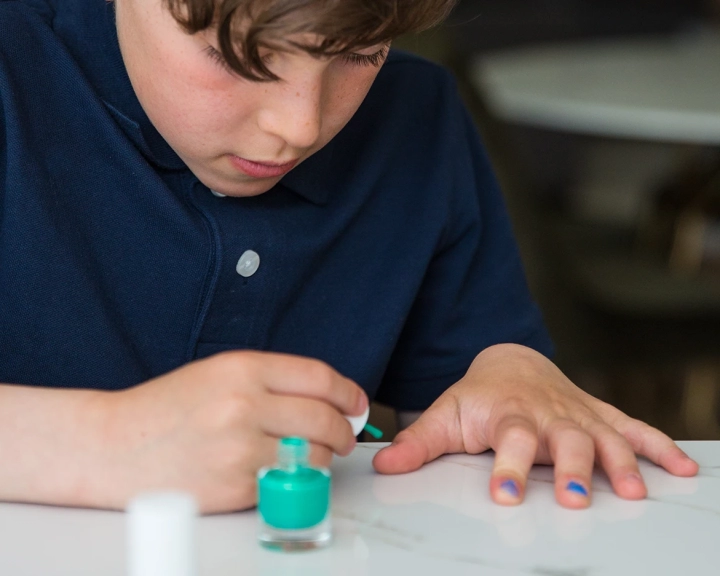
[294,500]
[161,534]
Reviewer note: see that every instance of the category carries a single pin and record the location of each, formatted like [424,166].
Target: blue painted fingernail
[577,488]
[511,488]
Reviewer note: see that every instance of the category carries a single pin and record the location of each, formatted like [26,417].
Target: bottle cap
[161,534]
[358,422]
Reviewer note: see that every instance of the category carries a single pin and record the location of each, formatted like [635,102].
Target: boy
[227,221]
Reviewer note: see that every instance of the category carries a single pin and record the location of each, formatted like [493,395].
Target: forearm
[51,445]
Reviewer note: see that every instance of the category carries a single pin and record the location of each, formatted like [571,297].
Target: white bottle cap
[358,422]
[161,534]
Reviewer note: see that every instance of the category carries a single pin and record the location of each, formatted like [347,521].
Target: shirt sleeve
[475,293]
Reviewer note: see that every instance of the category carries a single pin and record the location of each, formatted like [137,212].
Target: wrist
[95,478]
[49,442]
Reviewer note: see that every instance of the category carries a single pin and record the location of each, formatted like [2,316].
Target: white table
[438,520]
[663,89]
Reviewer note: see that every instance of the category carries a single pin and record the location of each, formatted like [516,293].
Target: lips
[261,169]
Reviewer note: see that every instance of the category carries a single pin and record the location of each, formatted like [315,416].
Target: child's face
[239,137]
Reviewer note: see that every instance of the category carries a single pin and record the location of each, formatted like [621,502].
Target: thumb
[420,443]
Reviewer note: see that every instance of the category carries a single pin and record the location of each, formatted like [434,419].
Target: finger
[315,420]
[267,450]
[573,453]
[320,456]
[657,447]
[617,458]
[231,473]
[422,442]
[516,444]
[298,376]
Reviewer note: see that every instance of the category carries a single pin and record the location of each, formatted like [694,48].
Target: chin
[243,189]
[247,189]
[244,193]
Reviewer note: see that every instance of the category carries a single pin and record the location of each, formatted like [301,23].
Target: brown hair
[244,26]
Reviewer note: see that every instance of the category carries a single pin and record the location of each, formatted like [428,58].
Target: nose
[293,112]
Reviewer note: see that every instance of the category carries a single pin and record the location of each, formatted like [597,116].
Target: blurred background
[602,118]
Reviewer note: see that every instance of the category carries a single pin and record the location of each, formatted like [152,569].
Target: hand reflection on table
[332,561]
[463,489]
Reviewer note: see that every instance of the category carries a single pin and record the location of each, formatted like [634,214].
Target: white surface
[161,534]
[438,520]
[358,422]
[662,89]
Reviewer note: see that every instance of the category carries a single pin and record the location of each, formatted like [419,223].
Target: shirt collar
[314,179]
[116,91]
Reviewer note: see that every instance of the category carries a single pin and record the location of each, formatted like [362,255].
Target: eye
[374,59]
[217,57]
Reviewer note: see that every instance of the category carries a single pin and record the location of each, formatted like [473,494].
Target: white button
[218,194]
[248,264]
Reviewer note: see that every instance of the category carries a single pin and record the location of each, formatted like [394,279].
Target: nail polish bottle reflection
[294,500]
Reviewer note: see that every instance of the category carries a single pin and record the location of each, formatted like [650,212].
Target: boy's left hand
[517,402]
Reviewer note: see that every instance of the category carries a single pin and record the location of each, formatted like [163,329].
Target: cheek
[189,99]
[195,104]
[347,90]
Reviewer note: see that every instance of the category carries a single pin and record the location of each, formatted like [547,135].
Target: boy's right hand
[208,427]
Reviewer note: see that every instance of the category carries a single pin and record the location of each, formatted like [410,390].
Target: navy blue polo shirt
[387,254]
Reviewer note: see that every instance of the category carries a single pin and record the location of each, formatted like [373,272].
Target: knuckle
[564,426]
[560,410]
[320,374]
[563,431]
[235,362]
[234,410]
[515,405]
[636,433]
[588,421]
[521,435]
[612,437]
[611,415]
[559,407]
[510,412]
[238,408]
[325,421]
[612,447]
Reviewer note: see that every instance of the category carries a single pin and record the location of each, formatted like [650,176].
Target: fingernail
[362,404]
[510,487]
[576,488]
[632,477]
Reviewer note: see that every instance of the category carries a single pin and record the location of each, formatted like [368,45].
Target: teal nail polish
[577,488]
[374,432]
[294,500]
